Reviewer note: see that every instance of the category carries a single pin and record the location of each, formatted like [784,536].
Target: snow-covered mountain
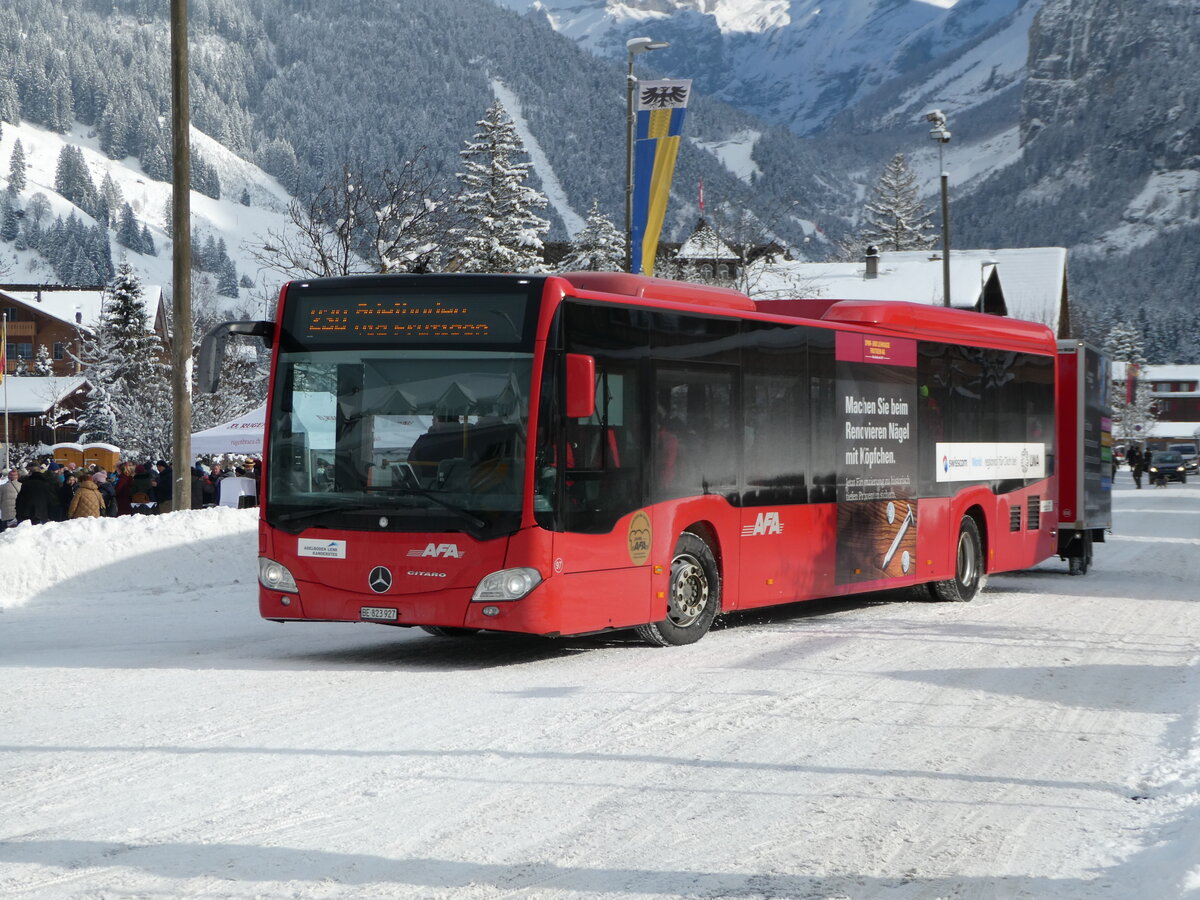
[802,63]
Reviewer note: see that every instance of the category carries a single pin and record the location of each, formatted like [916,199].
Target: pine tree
[10,105]
[73,180]
[41,361]
[16,169]
[502,231]
[598,247]
[110,198]
[10,221]
[128,234]
[895,218]
[227,280]
[124,362]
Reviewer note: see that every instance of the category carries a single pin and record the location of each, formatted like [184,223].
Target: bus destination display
[354,318]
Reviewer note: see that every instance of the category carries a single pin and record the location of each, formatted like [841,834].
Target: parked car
[1167,465]
[1190,458]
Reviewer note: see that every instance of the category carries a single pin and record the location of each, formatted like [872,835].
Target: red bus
[572,454]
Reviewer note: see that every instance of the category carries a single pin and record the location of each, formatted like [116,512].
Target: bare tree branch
[397,220]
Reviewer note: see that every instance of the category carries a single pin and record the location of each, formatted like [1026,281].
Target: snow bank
[179,548]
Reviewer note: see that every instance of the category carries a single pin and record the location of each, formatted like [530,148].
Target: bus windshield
[398,440]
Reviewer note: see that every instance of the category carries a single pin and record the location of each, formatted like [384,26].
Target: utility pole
[941,134]
[181,262]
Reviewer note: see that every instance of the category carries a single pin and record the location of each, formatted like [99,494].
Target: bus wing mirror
[581,386]
[212,349]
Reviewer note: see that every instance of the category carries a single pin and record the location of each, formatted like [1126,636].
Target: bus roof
[918,320]
[938,322]
[659,289]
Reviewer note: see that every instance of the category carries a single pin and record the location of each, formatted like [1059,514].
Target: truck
[1085,451]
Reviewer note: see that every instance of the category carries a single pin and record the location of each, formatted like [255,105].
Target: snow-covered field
[158,740]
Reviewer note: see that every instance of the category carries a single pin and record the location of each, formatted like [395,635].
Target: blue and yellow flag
[660,109]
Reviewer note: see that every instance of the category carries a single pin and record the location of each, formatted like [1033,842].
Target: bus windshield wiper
[338,508]
[430,495]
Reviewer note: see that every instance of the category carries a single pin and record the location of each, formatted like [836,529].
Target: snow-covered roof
[705,243]
[1168,430]
[1031,278]
[1160,373]
[32,395]
[66,305]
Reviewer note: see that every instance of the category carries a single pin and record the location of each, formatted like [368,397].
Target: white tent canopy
[242,436]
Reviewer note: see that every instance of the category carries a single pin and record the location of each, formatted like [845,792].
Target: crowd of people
[48,491]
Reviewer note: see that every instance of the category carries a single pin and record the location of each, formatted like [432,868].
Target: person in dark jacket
[143,482]
[66,493]
[197,486]
[38,500]
[164,488]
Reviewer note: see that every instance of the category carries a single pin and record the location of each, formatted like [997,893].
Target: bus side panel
[786,555]
[1020,535]
[935,546]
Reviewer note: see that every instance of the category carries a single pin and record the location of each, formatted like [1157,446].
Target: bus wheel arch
[970,567]
[693,591]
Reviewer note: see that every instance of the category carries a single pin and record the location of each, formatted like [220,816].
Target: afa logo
[766,523]
[640,538]
[447,551]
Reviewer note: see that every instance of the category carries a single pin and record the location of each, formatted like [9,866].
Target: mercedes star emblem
[380,579]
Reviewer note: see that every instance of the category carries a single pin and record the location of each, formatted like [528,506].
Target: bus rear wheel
[693,599]
[969,577]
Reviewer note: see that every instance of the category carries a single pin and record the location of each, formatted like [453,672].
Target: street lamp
[634,46]
[941,134]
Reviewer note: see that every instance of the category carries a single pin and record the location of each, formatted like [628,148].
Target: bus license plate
[377,612]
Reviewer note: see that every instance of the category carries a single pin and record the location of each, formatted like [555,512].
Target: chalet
[41,409]
[1023,283]
[1176,400]
[52,316]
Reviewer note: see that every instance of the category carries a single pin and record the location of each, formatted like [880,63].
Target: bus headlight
[275,577]
[507,584]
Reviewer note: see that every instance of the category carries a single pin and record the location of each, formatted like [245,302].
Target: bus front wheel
[693,599]
[969,577]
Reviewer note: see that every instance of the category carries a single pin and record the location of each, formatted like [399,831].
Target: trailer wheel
[1079,565]
[969,577]
[693,599]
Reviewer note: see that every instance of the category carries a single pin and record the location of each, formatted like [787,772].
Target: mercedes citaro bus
[571,454]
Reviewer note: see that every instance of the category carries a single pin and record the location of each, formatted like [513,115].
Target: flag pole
[3,373]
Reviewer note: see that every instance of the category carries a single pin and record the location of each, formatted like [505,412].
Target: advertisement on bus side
[877,458]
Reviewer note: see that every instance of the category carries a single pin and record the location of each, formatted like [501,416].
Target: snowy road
[158,740]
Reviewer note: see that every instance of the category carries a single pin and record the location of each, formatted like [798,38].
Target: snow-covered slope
[226,219]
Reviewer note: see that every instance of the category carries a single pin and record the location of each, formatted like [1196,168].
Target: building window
[60,351]
[9,314]
[24,350]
